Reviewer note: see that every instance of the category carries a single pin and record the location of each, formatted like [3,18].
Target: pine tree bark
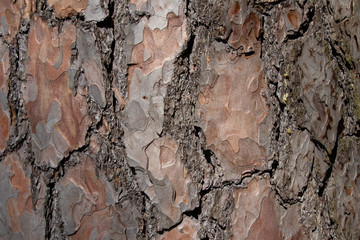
[179,119]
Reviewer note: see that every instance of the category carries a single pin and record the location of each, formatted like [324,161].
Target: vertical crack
[48,208]
[332,157]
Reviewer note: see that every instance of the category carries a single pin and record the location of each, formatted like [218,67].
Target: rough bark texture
[179,119]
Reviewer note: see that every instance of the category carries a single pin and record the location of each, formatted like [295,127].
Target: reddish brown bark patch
[10,14]
[48,84]
[267,225]
[294,18]
[4,129]
[4,113]
[68,8]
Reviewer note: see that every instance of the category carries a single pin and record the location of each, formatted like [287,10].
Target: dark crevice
[274,166]
[109,66]
[50,196]
[19,124]
[133,171]
[319,145]
[187,8]
[303,27]
[108,22]
[282,106]
[196,212]
[247,54]
[239,182]
[48,207]
[332,157]
[198,131]
[285,202]
[168,229]
[16,145]
[221,40]
[295,35]
[65,160]
[185,54]
[34,176]
[81,17]
[326,179]
[208,154]
[224,40]
[339,54]
[354,134]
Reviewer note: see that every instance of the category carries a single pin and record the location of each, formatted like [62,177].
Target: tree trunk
[179,119]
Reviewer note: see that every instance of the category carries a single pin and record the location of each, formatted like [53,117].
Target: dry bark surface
[179,119]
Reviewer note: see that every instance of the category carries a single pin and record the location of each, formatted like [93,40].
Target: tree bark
[179,119]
